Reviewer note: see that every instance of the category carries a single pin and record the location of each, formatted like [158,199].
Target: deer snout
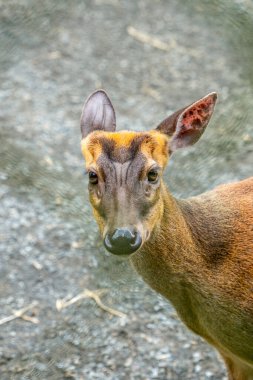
[123,241]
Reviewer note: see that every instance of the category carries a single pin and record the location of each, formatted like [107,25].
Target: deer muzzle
[123,241]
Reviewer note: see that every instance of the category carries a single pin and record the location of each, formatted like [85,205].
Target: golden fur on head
[123,145]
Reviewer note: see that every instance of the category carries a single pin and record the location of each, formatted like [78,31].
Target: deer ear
[98,114]
[187,125]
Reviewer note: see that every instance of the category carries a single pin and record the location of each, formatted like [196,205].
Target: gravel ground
[53,54]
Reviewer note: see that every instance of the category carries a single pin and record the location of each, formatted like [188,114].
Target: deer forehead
[124,145]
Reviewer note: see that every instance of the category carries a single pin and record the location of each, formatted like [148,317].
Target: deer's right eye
[93,178]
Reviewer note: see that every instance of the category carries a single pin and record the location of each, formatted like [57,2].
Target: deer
[195,252]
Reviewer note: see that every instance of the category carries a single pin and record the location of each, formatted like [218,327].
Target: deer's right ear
[98,114]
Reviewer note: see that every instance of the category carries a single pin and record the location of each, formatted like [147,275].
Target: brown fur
[198,252]
[202,249]
[205,267]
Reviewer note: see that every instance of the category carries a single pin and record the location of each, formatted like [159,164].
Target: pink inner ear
[197,115]
[192,122]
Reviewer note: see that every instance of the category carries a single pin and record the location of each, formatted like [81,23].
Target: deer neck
[171,250]
[168,261]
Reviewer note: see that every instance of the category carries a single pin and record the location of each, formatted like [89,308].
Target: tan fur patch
[91,150]
[154,146]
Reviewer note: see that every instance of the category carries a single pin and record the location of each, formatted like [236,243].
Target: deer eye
[152,176]
[93,178]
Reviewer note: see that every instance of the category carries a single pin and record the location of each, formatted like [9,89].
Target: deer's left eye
[93,178]
[152,176]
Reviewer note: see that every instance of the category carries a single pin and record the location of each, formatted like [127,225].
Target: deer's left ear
[187,125]
[98,114]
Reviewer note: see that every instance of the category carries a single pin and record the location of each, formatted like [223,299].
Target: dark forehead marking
[108,145]
[122,154]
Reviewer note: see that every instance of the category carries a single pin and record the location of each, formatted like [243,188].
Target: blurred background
[152,57]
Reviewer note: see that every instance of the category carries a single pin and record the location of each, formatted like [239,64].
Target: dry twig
[95,294]
[150,40]
[21,314]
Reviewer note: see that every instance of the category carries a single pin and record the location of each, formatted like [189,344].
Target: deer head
[125,168]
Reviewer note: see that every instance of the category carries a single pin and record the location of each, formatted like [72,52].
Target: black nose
[123,241]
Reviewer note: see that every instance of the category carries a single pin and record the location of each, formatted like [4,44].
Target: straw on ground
[21,314]
[86,293]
